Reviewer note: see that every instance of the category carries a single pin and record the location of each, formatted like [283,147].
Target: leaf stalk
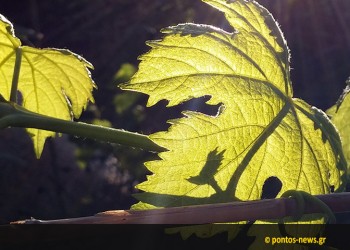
[13,115]
[15,77]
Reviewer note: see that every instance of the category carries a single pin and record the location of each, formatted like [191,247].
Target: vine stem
[13,115]
[266,209]
[15,77]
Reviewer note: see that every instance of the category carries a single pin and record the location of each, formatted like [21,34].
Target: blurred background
[80,177]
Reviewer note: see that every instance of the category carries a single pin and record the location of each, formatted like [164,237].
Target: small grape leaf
[339,114]
[260,130]
[52,82]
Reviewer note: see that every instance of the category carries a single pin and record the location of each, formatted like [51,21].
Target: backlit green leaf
[260,130]
[52,82]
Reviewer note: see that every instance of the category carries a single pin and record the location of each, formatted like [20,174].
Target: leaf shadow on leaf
[232,185]
[207,174]
[205,177]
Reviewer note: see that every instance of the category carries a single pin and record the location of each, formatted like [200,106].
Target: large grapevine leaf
[52,82]
[260,130]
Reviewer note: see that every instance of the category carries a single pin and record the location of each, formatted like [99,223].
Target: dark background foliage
[78,177]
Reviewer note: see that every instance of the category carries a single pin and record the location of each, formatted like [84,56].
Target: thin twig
[210,213]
